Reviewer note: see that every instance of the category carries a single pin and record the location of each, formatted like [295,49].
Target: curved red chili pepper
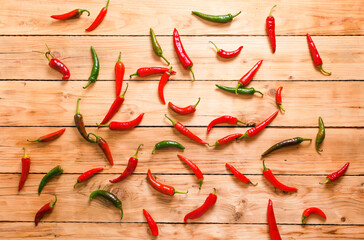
[209,202]
[315,55]
[132,164]
[273,180]
[185,110]
[227,54]
[99,18]
[226,139]
[279,98]
[43,210]
[151,223]
[245,80]
[310,211]
[223,119]
[25,166]
[273,229]
[182,55]
[119,76]
[86,175]
[270,25]
[104,147]
[182,129]
[162,83]
[335,175]
[49,137]
[239,175]
[123,125]
[165,189]
[194,168]
[72,14]
[146,71]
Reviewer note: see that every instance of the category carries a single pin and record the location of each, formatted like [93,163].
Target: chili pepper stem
[259,92]
[236,14]
[107,4]
[136,153]
[175,191]
[323,71]
[201,181]
[36,140]
[237,120]
[197,102]
[122,95]
[52,204]
[327,181]
[119,59]
[217,49]
[303,219]
[236,89]
[254,184]
[270,13]
[264,167]
[281,108]
[172,121]
[245,135]
[165,59]
[133,74]
[93,134]
[88,84]
[214,145]
[74,186]
[193,75]
[77,106]
[84,10]
[214,192]
[25,153]
[102,125]
[49,51]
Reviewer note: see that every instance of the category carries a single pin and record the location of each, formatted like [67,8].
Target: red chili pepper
[72,14]
[273,180]
[165,189]
[182,55]
[132,164]
[245,80]
[227,54]
[49,137]
[279,98]
[162,83]
[335,175]
[182,129]
[86,175]
[185,110]
[119,76]
[123,125]
[239,175]
[194,168]
[315,55]
[151,223]
[209,202]
[146,71]
[25,166]
[273,229]
[226,139]
[223,119]
[43,210]
[99,18]
[270,25]
[104,147]
[311,210]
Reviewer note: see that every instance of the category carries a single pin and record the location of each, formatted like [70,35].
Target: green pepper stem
[264,167]
[172,121]
[201,181]
[175,191]
[193,75]
[54,203]
[77,106]
[165,59]
[327,181]
[36,140]
[119,59]
[134,74]
[197,102]
[122,95]
[217,49]
[236,89]
[102,125]
[236,14]
[25,153]
[323,71]
[136,153]
[107,4]
[88,84]
[270,13]
[80,11]
[237,120]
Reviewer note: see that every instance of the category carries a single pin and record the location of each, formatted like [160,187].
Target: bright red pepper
[99,18]
[223,119]
[162,188]
[335,175]
[311,210]
[104,147]
[226,139]
[227,54]
[273,229]
[146,71]
[194,168]
[25,166]
[185,110]
[123,125]
[72,14]
[151,223]
[182,55]
[43,210]
[239,175]
[119,76]
[182,129]
[279,98]
[209,202]
[86,175]
[315,55]
[132,164]
[162,83]
[271,25]
[245,80]
[273,180]
[49,137]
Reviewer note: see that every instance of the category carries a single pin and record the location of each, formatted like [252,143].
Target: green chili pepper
[288,142]
[156,47]
[240,90]
[216,18]
[52,173]
[109,196]
[95,68]
[167,143]
[320,135]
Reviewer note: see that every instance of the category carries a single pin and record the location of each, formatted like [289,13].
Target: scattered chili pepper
[209,202]
[123,125]
[216,18]
[72,14]
[245,80]
[104,147]
[95,68]
[194,168]
[182,129]
[119,75]
[162,83]
[52,173]
[25,166]
[335,175]
[284,143]
[279,98]
[311,210]
[239,175]
[86,175]
[167,143]
[43,210]
[151,223]
[99,18]
[320,135]
[146,71]
[185,110]
[227,54]
[223,119]
[226,139]
[80,125]
[315,55]
[273,229]
[49,137]
[182,55]
[132,164]
[271,25]
[162,188]
[156,47]
[273,180]
[247,91]
[110,197]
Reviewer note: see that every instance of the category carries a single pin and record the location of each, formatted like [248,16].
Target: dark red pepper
[86,175]
[25,166]
[119,76]
[72,14]
[273,180]
[310,211]
[151,223]
[209,202]
[315,55]
[194,168]
[223,119]
[162,83]
[273,229]
[104,147]
[49,137]
[271,25]
[182,55]
[226,139]
[43,210]
[335,175]
[239,175]
[227,54]
[123,125]
[185,110]
[245,80]
[99,18]
[279,98]
[146,71]
[162,188]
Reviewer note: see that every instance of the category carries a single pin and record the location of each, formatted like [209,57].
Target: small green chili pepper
[156,47]
[52,173]
[216,18]
[95,68]
[320,135]
[167,143]
[288,142]
[109,196]
[249,91]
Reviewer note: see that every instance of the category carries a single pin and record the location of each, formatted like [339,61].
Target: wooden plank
[292,61]
[135,17]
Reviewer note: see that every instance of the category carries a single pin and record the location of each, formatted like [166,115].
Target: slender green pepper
[80,125]
[249,91]
[167,143]
[109,196]
[216,18]
[320,135]
[52,173]
[288,142]
[95,68]
[156,47]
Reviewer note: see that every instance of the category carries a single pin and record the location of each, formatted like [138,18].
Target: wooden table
[34,101]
